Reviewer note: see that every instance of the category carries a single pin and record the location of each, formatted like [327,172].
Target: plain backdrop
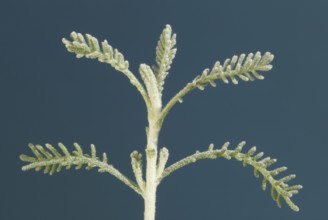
[49,96]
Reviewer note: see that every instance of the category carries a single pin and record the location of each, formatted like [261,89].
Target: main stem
[151,175]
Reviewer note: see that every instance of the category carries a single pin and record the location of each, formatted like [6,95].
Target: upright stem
[151,175]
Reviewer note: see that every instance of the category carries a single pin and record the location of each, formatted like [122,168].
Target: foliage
[245,68]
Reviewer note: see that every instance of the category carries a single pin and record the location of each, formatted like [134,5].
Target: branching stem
[241,67]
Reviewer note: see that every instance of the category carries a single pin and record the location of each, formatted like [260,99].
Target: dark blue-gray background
[49,96]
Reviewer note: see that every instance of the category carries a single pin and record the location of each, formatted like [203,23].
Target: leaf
[165,53]
[234,68]
[150,81]
[49,159]
[52,161]
[91,49]
[279,187]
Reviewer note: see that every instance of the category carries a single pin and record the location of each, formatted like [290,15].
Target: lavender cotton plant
[242,67]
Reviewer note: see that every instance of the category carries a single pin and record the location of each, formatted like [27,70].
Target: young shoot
[244,67]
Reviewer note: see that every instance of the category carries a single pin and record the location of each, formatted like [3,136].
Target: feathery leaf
[242,67]
[163,157]
[150,81]
[52,161]
[136,162]
[280,188]
[90,49]
[236,67]
[165,53]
